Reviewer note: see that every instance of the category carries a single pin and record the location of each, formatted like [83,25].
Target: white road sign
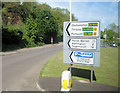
[82,43]
[82,57]
[83,29]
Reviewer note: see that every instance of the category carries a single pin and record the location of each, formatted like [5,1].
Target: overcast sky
[105,12]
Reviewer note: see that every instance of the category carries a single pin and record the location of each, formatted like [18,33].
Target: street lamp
[47,17]
[51,38]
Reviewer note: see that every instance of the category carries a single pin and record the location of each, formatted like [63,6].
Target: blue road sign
[83,54]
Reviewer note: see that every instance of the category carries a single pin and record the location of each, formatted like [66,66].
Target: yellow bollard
[66,81]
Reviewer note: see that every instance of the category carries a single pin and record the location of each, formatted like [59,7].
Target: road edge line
[83,81]
[38,86]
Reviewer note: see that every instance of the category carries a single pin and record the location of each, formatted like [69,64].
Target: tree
[112,33]
[27,8]
[102,34]
[31,32]
[113,27]
[61,15]
[47,25]
[32,22]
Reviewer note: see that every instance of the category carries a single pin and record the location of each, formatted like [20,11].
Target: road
[21,70]
[104,44]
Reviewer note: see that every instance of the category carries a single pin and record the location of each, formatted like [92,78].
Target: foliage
[10,13]
[12,34]
[30,33]
[32,24]
[61,15]
[12,37]
[27,8]
[112,33]
[113,26]
[47,25]
[102,34]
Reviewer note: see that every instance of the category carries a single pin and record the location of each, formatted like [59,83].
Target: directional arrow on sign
[71,56]
[82,43]
[67,29]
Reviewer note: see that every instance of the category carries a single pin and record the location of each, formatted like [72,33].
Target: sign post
[69,81]
[70,21]
[81,43]
[51,40]
[91,74]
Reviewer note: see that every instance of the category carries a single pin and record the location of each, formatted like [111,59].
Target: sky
[105,12]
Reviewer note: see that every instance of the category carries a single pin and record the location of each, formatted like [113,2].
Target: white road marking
[6,90]
[38,86]
[82,81]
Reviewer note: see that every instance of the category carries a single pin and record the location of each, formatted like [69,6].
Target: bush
[11,34]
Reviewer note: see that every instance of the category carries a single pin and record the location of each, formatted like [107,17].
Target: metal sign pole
[70,21]
[91,74]
[70,12]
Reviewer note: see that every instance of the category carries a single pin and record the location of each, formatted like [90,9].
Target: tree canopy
[112,33]
[31,23]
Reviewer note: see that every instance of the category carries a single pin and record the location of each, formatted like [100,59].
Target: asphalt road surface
[21,70]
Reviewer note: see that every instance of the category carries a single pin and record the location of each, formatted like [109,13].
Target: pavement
[54,84]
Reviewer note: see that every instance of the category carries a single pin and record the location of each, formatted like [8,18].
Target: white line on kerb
[6,90]
[38,86]
[82,81]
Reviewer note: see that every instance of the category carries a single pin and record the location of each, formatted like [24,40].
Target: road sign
[82,57]
[83,29]
[51,40]
[82,43]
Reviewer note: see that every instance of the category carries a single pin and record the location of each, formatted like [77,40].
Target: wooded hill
[31,24]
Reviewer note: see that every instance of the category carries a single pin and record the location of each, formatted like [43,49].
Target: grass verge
[107,73]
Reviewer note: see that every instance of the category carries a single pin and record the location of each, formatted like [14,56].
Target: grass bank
[107,73]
